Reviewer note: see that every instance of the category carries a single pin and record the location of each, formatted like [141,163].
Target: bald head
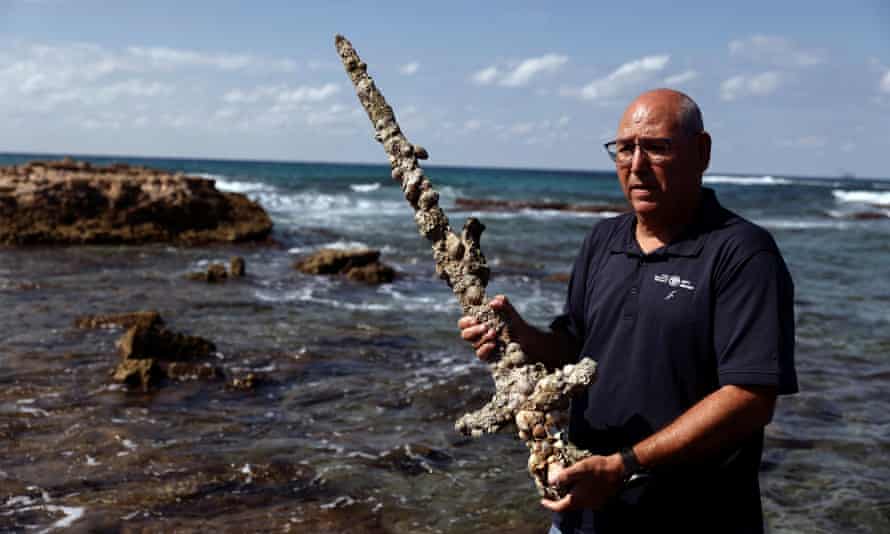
[686,115]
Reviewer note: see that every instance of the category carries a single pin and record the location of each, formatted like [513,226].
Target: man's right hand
[482,336]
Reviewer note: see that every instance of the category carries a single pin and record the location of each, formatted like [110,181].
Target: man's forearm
[717,422]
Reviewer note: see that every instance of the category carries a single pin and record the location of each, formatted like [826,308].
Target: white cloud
[523,73]
[485,76]
[680,79]
[281,94]
[755,85]
[472,125]
[626,77]
[522,128]
[171,58]
[409,68]
[775,50]
[134,88]
[885,82]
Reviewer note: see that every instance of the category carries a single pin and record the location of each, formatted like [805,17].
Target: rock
[236,267]
[374,273]
[215,273]
[558,277]
[183,371]
[144,374]
[154,341]
[483,204]
[362,265]
[74,202]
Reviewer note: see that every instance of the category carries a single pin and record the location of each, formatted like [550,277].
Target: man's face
[668,189]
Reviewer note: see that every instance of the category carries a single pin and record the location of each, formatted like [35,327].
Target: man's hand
[482,336]
[591,482]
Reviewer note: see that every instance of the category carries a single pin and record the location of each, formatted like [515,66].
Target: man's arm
[716,423]
[552,348]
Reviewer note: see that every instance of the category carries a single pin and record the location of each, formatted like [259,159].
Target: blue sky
[800,88]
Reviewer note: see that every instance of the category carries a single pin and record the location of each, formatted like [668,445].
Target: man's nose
[640,159]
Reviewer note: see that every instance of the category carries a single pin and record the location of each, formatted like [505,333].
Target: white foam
[72,514]
[745,180]
[235,186]
[803,224]
[365,188]
[874,198]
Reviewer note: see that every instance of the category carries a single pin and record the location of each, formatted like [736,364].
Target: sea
[349,428]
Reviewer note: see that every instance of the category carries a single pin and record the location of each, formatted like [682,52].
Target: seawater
[352,426]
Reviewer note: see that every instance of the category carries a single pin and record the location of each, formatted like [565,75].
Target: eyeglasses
[657,149]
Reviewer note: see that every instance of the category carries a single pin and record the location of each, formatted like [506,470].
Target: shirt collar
[689,244]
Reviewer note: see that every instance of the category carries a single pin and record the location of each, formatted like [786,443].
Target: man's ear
[704,150]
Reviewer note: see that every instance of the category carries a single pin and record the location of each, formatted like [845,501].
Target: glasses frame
[611,149]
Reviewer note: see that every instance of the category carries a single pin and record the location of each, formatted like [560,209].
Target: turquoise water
[362,372]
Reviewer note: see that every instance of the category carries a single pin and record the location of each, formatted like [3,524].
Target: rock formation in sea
[361,265]
[526,393]
[74,202]
[151,352]
[486,204]
[216,272]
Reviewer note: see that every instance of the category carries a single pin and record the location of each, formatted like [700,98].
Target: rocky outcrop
[216,272]
[74,202]
[150,352]
[483,204]
[361,265]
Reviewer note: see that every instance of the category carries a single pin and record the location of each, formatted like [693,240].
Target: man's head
[661,178]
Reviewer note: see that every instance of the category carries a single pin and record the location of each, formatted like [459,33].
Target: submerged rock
[74,202]
[362,265]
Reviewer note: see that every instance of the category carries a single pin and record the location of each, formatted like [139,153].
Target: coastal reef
[485,204]
[360,265]
[526,393]
[75,202]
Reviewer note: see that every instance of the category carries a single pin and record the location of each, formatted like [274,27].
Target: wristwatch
[633,471]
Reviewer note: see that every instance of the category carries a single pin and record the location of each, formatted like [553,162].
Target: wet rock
[247,382]
[362,265]
[413,459]
[236,267]
[74,202]
[154,341]
[150,352]
[216,272]
[482,204]
[143,374]
[558,277]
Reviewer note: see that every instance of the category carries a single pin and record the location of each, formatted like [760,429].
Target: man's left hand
[591,482]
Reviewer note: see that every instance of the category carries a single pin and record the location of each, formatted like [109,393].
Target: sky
[785,87]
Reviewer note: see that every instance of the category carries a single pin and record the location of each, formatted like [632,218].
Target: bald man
[688,310]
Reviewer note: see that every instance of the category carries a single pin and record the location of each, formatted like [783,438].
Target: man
[688,310]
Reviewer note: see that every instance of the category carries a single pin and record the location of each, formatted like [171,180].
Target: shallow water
[350,429]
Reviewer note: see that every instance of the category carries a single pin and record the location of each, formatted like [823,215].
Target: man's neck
[653,232]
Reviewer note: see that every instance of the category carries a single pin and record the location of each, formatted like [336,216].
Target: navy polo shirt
[667,328]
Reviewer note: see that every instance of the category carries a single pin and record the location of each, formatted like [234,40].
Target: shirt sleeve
[754,324]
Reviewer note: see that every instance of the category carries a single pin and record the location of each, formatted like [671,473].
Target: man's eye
[656,147]
[625,148]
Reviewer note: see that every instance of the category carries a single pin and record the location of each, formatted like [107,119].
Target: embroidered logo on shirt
[673,280]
